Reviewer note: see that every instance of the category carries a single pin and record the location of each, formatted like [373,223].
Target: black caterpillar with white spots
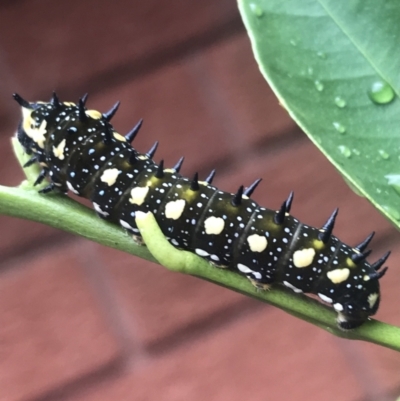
[80,151]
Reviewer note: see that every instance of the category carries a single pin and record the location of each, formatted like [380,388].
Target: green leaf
[335,66]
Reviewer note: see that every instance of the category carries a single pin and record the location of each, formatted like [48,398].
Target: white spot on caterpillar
[257,243]
[201,252]
[341,318]
[126,225]
[325,298]
[214,225]
[372,298]
[303,257]
[338,307]
[247,270]
[71,188]
[98,210]
[292,287]
[119,137]
[59,150]
[138,195]
[339,275]
[110,176]
[174,209]
[94,114]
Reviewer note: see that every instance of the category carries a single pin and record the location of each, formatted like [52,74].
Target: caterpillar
[80,151]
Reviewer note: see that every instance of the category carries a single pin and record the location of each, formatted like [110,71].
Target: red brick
[232,71]
[162,302]
[10,171]
[49,44]
[269,355]
[174,114]
[52,331]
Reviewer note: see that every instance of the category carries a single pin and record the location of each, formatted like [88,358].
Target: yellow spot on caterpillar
[169,170]
[59,150]
[214,225]
[138,195]
[257,243]
[38,136]
[303,257]
[119,137]
[29,126]
[318,244]
[110,176]
[366,278]
[174,209]
[27,116]
[94,114]
[350,263]
[69,104]
[142,157]
[339,275]
[372,298]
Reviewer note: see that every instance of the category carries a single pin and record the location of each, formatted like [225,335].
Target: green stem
[61,212]
[300,306]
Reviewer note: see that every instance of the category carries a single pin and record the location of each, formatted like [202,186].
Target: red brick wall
[81,322]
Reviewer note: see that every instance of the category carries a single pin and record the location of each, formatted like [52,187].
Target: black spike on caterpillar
[81,152]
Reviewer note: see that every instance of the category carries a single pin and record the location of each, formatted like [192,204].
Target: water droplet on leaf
[383,154]
[319,85]
[339,127]
[321,55]
[394,181]
[381,92]
[340,102]
[345,151]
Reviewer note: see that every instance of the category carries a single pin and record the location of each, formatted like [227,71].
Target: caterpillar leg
[347,323]
[259,285]
[217,265]
[47,189]
[138,240]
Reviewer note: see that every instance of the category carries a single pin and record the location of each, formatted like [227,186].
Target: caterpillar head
[32,128]
[359,295]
